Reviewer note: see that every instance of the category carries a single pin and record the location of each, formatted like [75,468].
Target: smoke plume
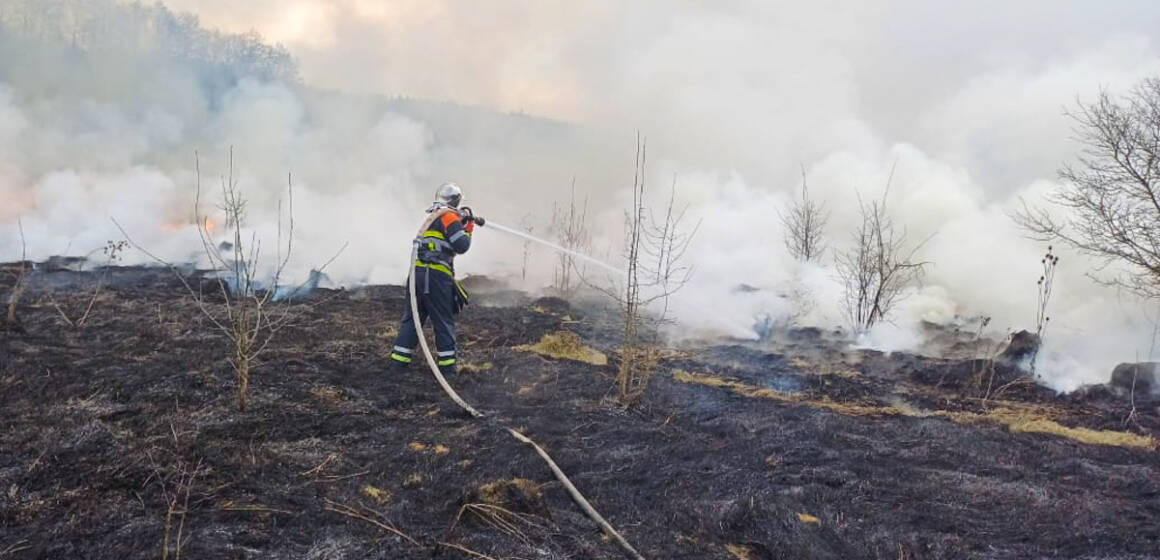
[370,105]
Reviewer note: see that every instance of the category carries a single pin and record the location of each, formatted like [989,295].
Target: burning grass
[565,345]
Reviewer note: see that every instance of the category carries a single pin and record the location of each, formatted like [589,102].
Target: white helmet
[449,194]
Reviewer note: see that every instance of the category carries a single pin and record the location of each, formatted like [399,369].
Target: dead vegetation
[571,232]
[20,284]
[112,253]
[1017,418]
[654,250]
[176,477]
[805,226]
[566,345]
[251,311]
[878,268]
[1109,201]
[750,456]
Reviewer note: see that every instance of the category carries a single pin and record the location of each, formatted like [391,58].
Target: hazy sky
[795,79]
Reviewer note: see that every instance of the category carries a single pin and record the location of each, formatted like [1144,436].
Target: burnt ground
[788,449]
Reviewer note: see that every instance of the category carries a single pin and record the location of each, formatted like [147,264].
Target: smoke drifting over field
[965,102]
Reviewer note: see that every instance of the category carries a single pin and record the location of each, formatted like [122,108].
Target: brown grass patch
[328,395]
[567,346]
[1017,417]
[383,497]
[471,368]
[755,392]
[807,518]
[1084,435]
[518,495]
[741,551]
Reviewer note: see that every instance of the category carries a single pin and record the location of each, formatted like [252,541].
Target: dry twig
[353,513]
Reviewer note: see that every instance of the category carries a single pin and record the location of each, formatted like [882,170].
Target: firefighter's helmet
[449,194]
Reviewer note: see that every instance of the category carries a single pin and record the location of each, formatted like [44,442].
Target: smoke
[964,102]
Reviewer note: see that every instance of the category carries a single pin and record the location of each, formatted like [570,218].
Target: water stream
[740,329]
[529,237]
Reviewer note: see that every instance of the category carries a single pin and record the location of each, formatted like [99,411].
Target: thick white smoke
[965,102]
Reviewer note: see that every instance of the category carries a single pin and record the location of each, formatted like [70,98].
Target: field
[120,439]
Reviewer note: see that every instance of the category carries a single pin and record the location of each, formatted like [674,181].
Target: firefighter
[438,294]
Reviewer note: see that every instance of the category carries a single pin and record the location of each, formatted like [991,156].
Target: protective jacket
[438,295]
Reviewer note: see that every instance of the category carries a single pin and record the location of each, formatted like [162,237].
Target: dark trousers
[435,293]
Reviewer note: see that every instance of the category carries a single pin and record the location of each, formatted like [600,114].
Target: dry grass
[496,493]
[1084,435]
[755,392]
[807,518]
[472,368]
[328,395]
[1017,417]
[801,364]
[567,346]
[383,497]
[741,551]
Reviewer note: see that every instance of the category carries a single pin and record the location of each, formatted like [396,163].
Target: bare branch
[805,226]
[1109,198]
[877,269]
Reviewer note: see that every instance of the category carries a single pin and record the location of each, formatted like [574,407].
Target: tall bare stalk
[21,279]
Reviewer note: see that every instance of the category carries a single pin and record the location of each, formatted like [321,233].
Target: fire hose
[556,471]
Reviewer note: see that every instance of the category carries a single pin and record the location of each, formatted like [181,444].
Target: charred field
[799,448]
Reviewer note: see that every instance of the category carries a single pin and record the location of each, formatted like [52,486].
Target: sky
[965,101]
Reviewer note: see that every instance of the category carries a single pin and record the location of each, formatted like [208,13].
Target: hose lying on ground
[559,474]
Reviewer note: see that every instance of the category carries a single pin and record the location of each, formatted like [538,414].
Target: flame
[209,225]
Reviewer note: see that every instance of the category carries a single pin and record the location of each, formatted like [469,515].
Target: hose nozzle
[468,215]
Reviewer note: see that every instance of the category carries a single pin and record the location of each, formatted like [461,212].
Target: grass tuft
[1084,435]
[567,346]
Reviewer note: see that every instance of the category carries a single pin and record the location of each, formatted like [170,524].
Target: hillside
[795,449]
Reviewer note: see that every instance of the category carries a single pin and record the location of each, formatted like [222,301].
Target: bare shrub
[175,477]
[571,234]
[1110,198]
[878,268]
[654,248]
[250,316]
[112,252]
[805,225]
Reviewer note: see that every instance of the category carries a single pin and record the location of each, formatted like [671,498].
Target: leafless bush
[175,477]
[805,225]
[112,252]
[250,317]
[878,268]
[666,240]
[654,249]
[1111,197]
[572,234]
[21,281]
